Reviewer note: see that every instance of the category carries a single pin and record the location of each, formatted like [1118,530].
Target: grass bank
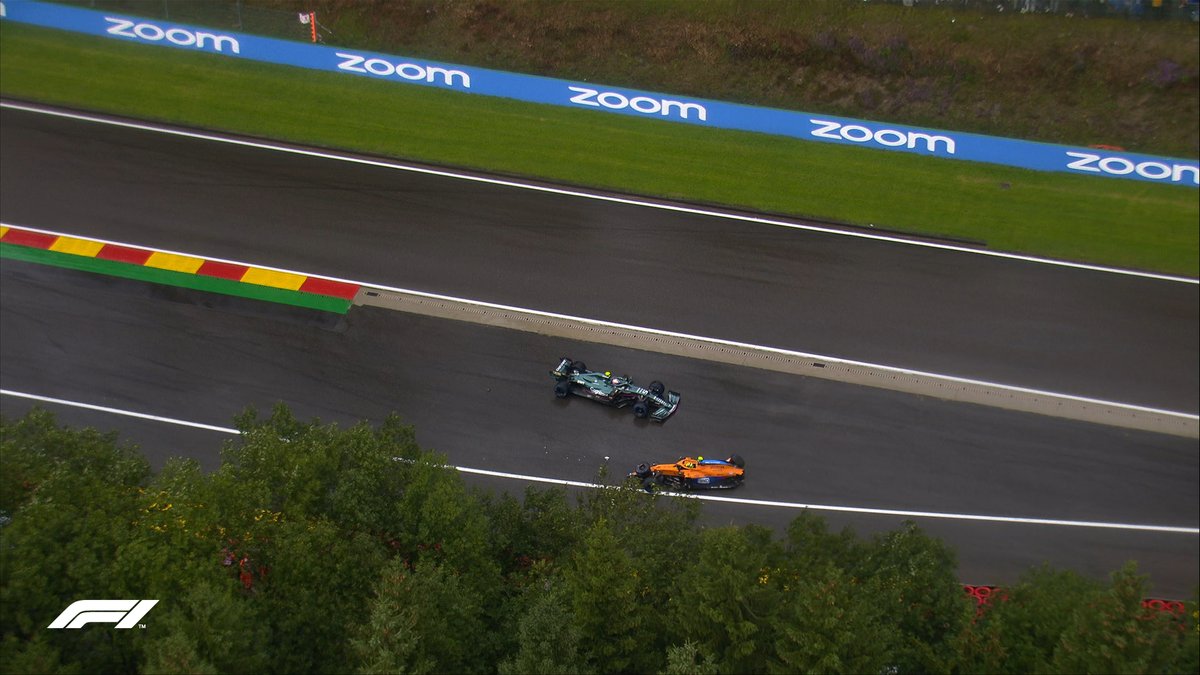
[1062,79]
[1104,221]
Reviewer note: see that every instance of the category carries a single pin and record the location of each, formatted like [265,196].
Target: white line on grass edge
[714,498]
[655,331]
[325,154]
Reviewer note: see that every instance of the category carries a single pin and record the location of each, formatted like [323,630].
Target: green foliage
[423,619]
[541,526]
[33,451]
[689,659]
[316,589]
[605,593]
[1189,652]
[1114,633]
[657,532]
[831,623]
[303,469]
[76,497]
[263,567]
[176,653]
[810,546]
[35,655]
[729,595]
[1021,629]
[209,625]
[912,577]
[548,639]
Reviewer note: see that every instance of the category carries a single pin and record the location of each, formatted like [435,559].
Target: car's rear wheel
[737,461]
[643,470]
[641,410]
[657,388]
[562,389]
[579,366]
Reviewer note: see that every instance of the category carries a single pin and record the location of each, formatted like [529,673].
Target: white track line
[714,498]
[665,333]
[399,166]
[118,411]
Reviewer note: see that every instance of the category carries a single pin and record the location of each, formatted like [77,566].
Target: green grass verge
[1105,221]
[172,278]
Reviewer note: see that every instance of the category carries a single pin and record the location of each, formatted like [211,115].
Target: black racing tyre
[657,388]
[579,366]
[737,461]
[649,484]
[641,410]
[643,470]
[562,389]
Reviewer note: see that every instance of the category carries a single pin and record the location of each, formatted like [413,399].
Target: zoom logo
[176,36]
[124,613]
[888,138]
[642,104]
[413,72]
[1119,166]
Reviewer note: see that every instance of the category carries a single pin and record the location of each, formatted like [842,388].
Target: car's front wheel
[641,410]
[657,388]
[562,389]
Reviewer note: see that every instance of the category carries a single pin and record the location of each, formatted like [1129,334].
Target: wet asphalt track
[1093,334]
[483,397]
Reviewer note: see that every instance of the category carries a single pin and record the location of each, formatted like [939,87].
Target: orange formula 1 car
[693,473]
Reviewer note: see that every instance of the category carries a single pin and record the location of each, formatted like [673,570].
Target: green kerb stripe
[171,278]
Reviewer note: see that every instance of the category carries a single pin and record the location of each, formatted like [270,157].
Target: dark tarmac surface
[1113,337]
[484,397]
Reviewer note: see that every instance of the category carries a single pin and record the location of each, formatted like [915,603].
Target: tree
[913,580]
[727,598]
[614,622]
[316,591]
[689,659]
[77,494]
[831,624]
[1114,633]
[305,470]
[35,655]
[422,619]
[210,625]
[176,653]
[1020,630]
[810,545]
[548,640]
[542,526]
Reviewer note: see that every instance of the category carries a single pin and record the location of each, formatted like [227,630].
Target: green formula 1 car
[653,402]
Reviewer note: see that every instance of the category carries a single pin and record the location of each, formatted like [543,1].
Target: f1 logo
[124,613]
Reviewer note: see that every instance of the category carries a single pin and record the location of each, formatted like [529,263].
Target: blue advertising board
[615,100]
